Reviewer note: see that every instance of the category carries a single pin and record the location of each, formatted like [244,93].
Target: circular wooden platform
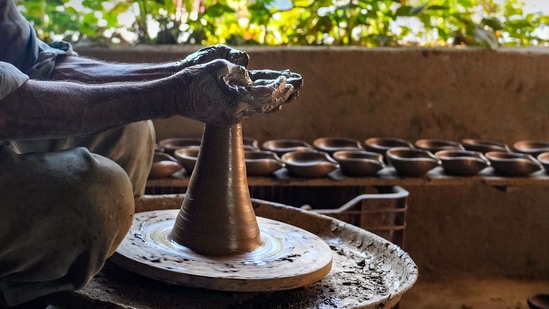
[289,257]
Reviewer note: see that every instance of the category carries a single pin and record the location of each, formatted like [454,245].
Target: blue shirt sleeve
[10,79]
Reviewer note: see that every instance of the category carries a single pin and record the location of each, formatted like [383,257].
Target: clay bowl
[382,144]
[513,163]
[250,143]
[359,162]
[333,144]
[484,146]
[163,166]
[412,162]
[543,158]
[187,156]
[261,162]
[282,146]
[309,163]
[462,162]
[171,144]
[538,301]
[533,148]
[435,145]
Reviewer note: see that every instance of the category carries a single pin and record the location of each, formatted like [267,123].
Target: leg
[65,213]
[131,146]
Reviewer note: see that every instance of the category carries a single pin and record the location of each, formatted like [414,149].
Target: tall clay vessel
[217,217]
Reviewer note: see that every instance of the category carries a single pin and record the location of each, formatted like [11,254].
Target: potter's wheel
[215,241]
[289,257]
[367,272]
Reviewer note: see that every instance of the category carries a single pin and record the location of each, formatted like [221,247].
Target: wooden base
[289,257]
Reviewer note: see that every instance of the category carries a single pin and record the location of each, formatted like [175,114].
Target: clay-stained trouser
[63,213]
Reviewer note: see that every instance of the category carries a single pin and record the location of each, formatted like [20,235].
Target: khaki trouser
[131,146]
[63,213]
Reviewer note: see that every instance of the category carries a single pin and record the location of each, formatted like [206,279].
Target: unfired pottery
[412,162]
[163,166]
[512,163]
[462,162]
[538,301]
[434,145]
[531,147]
[543,158]
[282,146]
[309,163]
[187,156]
[333,144]
[171,144]
[261,162]
[359,162]
[484,146]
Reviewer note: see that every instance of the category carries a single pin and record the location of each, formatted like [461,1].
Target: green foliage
[300,22]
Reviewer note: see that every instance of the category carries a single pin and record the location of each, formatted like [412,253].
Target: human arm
[218,92]
[74,68]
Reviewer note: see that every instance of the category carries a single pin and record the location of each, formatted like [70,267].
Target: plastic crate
[383,214]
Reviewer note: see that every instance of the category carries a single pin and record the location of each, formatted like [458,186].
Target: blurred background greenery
[369,23]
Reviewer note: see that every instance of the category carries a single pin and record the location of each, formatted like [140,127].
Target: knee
[110,198]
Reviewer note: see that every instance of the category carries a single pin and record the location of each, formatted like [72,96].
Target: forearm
[81,69]
[41,109]
[96,71]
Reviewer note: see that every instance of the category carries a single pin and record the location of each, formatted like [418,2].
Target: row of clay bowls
[326,154]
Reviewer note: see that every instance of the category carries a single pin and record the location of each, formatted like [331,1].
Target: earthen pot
[309,163]
[261,162]
[513,163]
[412,162]
[434,145]
[333,144]
[382,144]
[250,143]
[187,156]
[484,146]
[538,301]
[530,147]
[171,144]
[462,162]
[163,166]
[359,162]
[543,158]
[282,146]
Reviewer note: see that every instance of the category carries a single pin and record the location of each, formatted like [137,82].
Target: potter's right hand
[214,52]
[223,93]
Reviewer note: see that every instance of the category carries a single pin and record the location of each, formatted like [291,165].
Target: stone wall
[412,94]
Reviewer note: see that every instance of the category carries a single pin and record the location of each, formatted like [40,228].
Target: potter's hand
[223,94]
[214,52]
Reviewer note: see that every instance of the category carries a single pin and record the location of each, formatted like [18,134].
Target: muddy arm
[218,92]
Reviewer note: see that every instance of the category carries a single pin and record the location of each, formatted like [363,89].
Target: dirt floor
[468,292]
